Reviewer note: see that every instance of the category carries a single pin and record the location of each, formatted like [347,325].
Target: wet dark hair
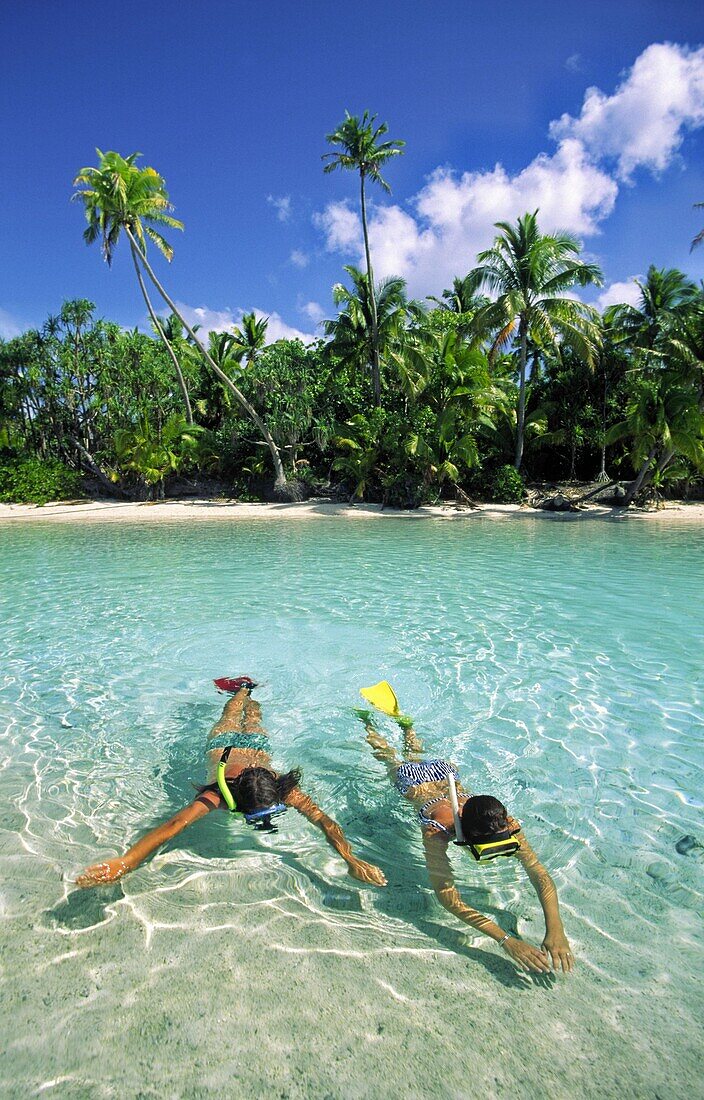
[483,815]
[256,788]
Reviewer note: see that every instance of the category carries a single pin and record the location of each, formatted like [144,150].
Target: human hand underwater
[556,945]
[528,957]
[366,872]
[100,873]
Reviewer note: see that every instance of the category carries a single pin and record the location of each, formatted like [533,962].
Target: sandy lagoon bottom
[558,664]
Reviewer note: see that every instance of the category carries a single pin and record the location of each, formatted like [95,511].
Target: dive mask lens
[261,819]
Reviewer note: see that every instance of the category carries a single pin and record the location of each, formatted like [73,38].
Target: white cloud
[623,293]
[314,311]
[644,121]
[454,215]
[575,188]
[10,326]
[299,258]
[282,206]
[222,320]
[341,225]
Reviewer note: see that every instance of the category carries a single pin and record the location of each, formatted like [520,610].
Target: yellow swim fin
[383,697]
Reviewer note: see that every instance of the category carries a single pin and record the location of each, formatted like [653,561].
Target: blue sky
[231,103]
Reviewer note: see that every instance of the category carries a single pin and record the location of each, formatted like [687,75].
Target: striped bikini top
[430,822]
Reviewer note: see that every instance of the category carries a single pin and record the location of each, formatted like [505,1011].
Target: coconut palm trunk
[602,475]
[635,486]
[521,417]
[280,476]
[162,335]
[376,372]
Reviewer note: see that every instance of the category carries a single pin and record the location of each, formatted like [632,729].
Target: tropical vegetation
[504,379]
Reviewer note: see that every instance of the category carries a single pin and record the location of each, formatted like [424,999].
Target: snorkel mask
[259,819]
[483,848]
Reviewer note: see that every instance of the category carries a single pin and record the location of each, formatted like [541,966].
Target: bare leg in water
[241,714]
[386,753]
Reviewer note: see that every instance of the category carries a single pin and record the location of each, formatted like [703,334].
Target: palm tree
[360,150]
[531,271]
[250,337]
[118,197]
[666,295]
[352,331]
[656,330]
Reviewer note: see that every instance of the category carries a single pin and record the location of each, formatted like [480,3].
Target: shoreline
[214,509]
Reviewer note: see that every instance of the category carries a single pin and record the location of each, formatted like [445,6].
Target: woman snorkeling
[480,824]
[241,780]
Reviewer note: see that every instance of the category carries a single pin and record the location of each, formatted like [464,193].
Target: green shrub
[507,486]
[36,481]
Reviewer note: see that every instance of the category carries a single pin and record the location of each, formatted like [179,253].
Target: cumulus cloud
[10,326]
[454,215]
[341,226]
[623,293]
[314,311]
[222,320]
[644,121]
[299,258]
[439,232]
[282,206]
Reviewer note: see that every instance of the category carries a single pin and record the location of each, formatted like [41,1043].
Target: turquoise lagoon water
[559,663]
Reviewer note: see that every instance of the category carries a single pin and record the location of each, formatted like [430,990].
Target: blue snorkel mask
[259,819]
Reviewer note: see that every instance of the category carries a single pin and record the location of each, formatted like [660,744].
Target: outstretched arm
[113,869]
[555,942]
[365,872]
[443,883]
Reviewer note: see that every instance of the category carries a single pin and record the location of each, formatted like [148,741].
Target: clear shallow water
[558,663]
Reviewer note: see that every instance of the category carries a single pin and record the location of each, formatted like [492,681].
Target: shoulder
[204,802]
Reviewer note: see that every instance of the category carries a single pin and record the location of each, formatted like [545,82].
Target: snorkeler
[479,824]
[241,780]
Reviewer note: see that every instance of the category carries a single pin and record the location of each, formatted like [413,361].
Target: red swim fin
[234,684]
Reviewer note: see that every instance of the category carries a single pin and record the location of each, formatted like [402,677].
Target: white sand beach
[110,511]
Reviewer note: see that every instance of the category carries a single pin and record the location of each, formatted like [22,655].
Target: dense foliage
[105,402]
[506,377]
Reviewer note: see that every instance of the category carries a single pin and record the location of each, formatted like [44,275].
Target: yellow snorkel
[260,819]
[222,783]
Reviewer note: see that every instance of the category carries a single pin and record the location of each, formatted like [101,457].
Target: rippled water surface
[558,663]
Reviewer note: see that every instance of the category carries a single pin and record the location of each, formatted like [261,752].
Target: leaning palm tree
[359,150]
[531,272]
[119,197]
